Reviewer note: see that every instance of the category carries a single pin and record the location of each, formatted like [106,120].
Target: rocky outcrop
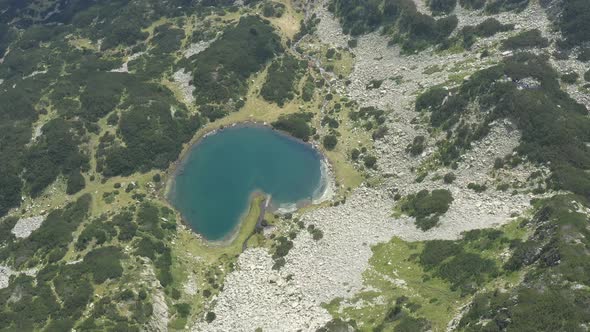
[24,227]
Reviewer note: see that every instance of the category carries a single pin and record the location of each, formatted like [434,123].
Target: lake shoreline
[325,190]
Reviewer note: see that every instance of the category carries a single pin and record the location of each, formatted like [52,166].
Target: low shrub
[525,39]
[330,142]
[427,207]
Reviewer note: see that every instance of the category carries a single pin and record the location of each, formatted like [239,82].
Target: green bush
[104,263]
[427,207]
[282,247]
[370,161]
[379,133]
[574,22]
[466,271]
[98,231]
[584,54]
[330,142]
[417,146]
[436,251]
[6,226]
[210,317]
[411,324]
[487,28]
[308,89]
[525,39]
[297,124]
[315,232]
[478,188]
[75,183]
[449,178]
[570,78]
[183,309]
[431,99]
[472,4]
[281,78]
[273,9]
[440,7]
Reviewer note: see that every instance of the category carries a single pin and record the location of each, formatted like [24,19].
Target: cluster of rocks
[196,48]
[160,315]
[6,272]
[256,296]
[125,66]
[25,226]
[184,82]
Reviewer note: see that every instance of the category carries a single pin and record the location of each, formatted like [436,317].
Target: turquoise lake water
[213,186]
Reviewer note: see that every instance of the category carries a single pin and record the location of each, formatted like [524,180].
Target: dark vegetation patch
[97,232]
[370,161]
[50,241]
[368,117]
[441,7]
[221,73]
[315,232]
[461,263]
[400,317]
[282,246]
[570,78]
[329,142]
[496,6]
[77,84]
[574,22]
[153,137]
[427,207]
[417,146]
[27,305]
[308,89]
[472,4]
[469,34]
[55,153]
[296,124]
[546,299]
[6,226]
[156,225]
[400,20]
[283,75]
[74,284]
[273,9]
[499,92]
[524,40]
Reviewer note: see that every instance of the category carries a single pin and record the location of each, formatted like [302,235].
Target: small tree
[370,161]
[330,142]
[449,178]
[157,178]
[76,182]
[210,316]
